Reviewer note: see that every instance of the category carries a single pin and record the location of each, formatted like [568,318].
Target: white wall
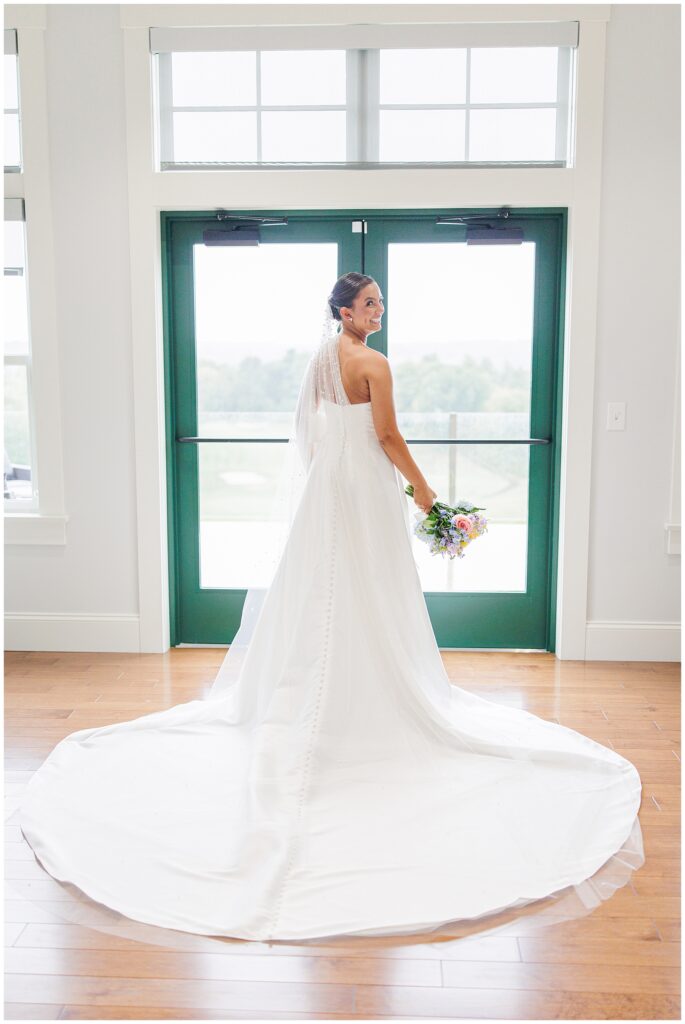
[95,573]
[632,579]
[85,595]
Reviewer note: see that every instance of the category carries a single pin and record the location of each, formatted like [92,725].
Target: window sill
[33,528]
[167,166]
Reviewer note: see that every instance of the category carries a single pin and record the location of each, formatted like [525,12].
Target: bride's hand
[424,498]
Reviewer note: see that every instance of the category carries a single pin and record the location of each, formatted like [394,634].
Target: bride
[332,781]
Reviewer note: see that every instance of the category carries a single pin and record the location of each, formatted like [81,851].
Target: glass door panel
[460,343]
[254,333]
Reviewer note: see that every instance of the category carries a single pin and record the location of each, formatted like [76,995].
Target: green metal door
[473,333]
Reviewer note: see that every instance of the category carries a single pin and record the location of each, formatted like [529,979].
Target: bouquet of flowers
[448,530]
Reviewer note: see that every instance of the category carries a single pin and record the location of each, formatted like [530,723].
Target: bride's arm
[379,377]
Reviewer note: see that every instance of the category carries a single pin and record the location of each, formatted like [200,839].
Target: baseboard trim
[77,631]
[633,641]
[31,631]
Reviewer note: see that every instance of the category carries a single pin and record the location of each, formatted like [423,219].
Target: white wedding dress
[341,784]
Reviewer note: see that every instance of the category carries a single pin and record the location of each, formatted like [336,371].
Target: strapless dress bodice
[353,421]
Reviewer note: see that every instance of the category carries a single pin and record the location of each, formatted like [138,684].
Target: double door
[473,332]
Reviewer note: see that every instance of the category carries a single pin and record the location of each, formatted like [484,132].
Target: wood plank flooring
[620,962]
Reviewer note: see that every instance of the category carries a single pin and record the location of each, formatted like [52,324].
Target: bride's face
[365,314]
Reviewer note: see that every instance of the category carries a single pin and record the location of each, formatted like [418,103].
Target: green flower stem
[437,505]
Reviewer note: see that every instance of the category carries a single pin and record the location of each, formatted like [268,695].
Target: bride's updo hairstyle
[345,291]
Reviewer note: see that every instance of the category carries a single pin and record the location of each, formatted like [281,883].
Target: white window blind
[10,41]
[363,37]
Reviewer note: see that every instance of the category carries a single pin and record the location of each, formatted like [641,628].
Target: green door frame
[519,620]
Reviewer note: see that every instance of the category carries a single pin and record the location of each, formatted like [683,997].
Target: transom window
[474,94]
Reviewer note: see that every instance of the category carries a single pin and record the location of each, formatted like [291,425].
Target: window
[32,454]
[18,479]
[18,456]
[428,95]
[12,130]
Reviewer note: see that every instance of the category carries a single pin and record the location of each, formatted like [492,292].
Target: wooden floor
[620,962]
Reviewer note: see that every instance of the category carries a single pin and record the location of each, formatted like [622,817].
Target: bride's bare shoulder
[374,358]
[377,364]
[367,360]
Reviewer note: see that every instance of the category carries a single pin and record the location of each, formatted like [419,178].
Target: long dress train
[342,785]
